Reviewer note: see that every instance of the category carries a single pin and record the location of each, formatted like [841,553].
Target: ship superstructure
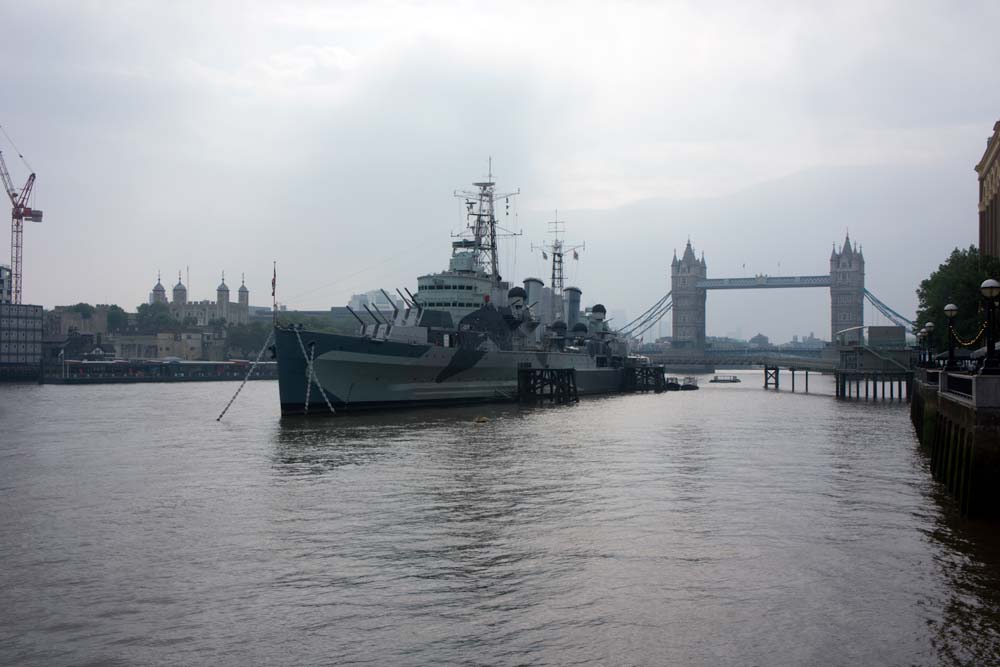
[473,276]
[462,337]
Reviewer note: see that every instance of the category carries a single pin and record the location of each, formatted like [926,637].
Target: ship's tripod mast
[480,209]
[558,249]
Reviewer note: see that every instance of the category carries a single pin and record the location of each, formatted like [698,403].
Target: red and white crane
[20,213]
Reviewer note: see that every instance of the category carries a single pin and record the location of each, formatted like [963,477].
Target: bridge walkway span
[742,361]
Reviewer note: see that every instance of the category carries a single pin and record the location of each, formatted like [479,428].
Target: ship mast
[480,208]
[558,249]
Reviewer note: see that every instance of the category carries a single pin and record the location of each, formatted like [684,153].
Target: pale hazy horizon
[329,138]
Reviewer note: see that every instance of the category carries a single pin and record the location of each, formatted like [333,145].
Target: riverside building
[989,196]
[20,340]
[5,280]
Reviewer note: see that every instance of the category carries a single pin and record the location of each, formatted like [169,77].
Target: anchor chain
[245,379]
[310,376]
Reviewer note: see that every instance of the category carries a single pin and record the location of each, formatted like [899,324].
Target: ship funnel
[571,302]
[533,289]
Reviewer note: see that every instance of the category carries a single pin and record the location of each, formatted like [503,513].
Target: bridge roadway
[764,282]
[746,360]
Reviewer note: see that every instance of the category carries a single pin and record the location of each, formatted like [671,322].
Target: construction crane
[20,213]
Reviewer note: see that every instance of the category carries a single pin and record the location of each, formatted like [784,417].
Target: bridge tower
[847,292]
[689,299]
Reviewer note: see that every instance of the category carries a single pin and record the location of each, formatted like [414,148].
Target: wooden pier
[645,378]
[136,371]
[772,377]
[547,385]
[878,385]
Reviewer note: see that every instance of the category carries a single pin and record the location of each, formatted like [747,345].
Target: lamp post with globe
[990,290]
[929,328]
[950,311]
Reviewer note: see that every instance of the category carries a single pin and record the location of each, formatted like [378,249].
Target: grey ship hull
[359,373]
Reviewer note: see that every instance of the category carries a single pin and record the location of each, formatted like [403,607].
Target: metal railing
[958,384]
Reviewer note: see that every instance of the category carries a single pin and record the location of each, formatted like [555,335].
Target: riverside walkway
[957,419]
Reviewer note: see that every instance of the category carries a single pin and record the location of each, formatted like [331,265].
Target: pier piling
[645,378]
[772,377]
[848,384]
[956,417]
[548,385]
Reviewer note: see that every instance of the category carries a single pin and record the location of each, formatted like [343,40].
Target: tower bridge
[758,282]
[690,284]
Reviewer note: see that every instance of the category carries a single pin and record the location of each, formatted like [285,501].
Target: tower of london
[204,312]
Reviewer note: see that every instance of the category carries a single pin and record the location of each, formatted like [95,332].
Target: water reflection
[315,445]
[968,559]
[730,526]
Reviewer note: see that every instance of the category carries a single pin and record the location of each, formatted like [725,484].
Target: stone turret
[688,299]
[159,292]
[222,299]
[180,292]
[244,292]
[847,293]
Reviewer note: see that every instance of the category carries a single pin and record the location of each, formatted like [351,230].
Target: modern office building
[20,341]
[5,281]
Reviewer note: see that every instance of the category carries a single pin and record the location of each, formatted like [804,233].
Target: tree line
[956,281]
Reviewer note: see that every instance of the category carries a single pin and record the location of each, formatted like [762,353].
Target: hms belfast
[461,338]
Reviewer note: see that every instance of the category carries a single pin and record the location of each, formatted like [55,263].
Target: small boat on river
[689,383]
[673,384]
[725,378]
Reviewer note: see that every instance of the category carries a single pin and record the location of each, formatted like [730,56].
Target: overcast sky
[330,137]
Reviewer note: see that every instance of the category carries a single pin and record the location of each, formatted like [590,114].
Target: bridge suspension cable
[645,314]
[891,314]
[651,316]
[652,320]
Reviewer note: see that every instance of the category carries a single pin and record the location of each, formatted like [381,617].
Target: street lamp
[990,290]
[921,345]
[950,311]
[929,327]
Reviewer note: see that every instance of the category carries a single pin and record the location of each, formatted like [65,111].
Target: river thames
[727,526]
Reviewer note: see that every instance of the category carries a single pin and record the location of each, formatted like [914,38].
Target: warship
[461,338]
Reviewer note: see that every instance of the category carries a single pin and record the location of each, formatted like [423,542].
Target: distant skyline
[224,136]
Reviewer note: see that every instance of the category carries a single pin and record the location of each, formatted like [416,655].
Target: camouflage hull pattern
[359,373]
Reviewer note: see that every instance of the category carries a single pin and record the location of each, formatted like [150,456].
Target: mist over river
[727,526]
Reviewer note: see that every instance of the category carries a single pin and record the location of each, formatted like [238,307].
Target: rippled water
[729,526]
